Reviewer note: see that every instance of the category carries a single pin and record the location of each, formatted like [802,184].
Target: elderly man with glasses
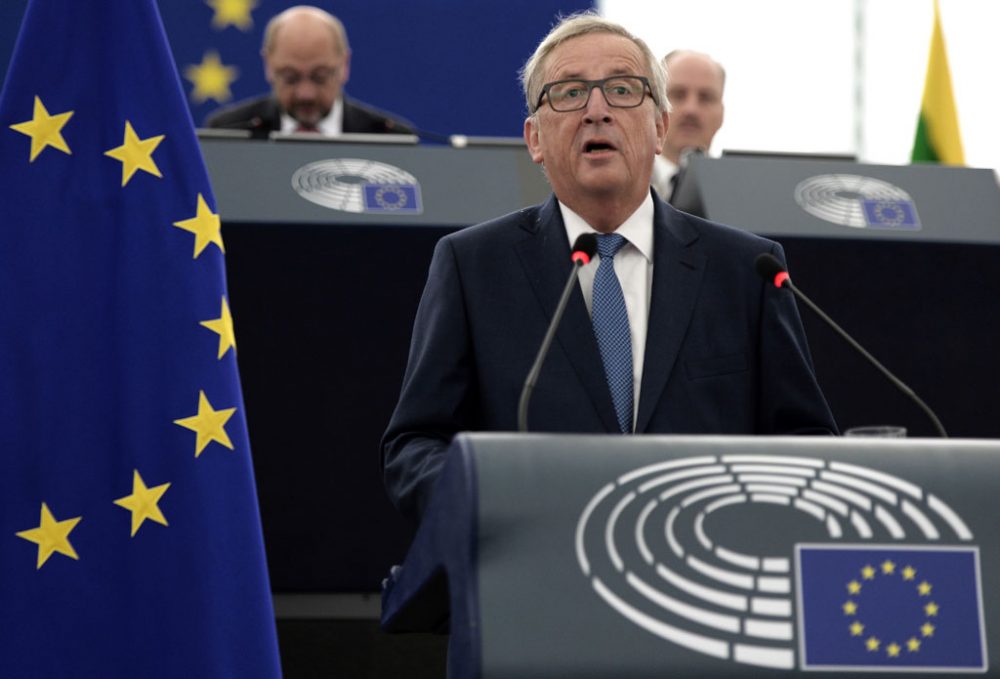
[307,60]
[698,342]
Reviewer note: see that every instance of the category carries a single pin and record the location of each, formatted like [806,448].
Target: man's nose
[687,105]
[305,89]
[597,108]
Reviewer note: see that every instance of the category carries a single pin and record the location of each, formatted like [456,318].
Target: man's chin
[308,117]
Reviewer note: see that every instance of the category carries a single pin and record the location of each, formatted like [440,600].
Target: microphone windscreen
[768,266]
[586,244]
[584,248]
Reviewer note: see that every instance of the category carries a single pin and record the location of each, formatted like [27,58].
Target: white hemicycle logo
[359,186]
[646,543]
[857,201]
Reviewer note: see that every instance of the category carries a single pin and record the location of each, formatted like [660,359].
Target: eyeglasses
[319,77]
[620,91]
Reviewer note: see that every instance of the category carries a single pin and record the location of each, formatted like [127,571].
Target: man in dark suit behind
[307,61]
[711,348]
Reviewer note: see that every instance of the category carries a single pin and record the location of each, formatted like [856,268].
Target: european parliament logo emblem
[857,570]
[360,186]
[887,608]
[857,201]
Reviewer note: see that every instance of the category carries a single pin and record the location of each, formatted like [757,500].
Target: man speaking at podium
[670,329]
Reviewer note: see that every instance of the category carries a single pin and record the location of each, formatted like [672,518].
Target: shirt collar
[637,229]
[330,126]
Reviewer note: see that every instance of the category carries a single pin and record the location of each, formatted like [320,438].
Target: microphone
[771,270]
[582,252]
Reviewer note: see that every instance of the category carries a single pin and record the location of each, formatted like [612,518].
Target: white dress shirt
[664,170]
[330,126]
[634,268]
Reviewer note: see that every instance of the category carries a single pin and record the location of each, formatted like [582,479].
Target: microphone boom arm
[898,383]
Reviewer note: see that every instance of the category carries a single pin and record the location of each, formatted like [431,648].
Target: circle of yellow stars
[852,608]
[135,153]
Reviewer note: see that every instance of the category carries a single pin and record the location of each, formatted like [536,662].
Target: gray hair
[584,23]
[333,23]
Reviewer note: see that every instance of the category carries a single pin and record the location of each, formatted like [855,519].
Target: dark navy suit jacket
[725,353]
[262,115]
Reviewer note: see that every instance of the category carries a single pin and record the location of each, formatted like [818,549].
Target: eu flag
[883,213]
[398,198]
[130,540]
[885,608]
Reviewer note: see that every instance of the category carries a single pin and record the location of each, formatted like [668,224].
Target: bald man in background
[307,61]
[695,83]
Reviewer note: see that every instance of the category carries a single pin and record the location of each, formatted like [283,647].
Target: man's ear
[531,139]
[662,125]
[346,69]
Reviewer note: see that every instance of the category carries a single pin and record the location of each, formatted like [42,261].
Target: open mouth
[597,147]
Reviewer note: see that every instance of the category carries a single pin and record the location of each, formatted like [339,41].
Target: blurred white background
[833,76]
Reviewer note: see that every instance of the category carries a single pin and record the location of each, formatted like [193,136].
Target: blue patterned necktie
[611,327]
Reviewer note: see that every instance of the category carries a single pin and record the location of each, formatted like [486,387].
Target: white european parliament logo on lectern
[857,201]
[854,569]
[359,186]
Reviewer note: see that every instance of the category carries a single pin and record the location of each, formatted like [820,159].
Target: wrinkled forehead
[594,55]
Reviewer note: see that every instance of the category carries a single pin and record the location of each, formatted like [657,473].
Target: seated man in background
[307,61]
[670,329]
[695,83]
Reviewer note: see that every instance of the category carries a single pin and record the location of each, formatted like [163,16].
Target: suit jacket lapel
[678,268]
[544,253]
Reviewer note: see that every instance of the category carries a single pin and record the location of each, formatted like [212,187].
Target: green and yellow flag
[938,139]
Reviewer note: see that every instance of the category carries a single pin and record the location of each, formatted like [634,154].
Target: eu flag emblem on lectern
[130,540]
[881,608]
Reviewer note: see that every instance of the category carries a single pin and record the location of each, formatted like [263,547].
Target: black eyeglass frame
[590,85]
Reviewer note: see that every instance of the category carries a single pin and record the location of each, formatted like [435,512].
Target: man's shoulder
[363,118]
[508,228]
[714,236]
[250,113]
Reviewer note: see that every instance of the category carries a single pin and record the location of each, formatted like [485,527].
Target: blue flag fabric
[130,540]
[888,608]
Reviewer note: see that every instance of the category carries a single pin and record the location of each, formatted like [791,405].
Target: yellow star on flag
[850,608]
[927,629]
[872,643]
[206,227]
[44,130]
[868,573]
[51,536]
[136,154]
[224,326]
[211,79]
[143,502]
[924,588]
[209,424]
[857,629]
[888,567]
[232,13]
[909,573]
[893,649]
[853,587]
[931,609]
[913,645]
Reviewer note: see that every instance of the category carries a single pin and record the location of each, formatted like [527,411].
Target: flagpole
[858,108]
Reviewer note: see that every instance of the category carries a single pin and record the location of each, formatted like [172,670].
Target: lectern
[609,556]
